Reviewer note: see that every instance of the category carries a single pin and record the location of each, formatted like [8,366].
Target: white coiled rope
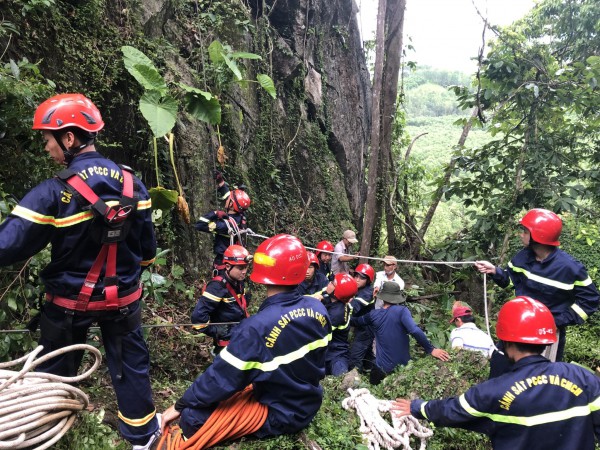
[39,408]
[376,430]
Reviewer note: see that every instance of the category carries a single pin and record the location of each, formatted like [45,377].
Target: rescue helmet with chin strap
[526,320]
[236,255]
[280,260]
[366,270]
[324,245]
[240,200]
[68,110]
[312,259]
[345,287]
[544,226]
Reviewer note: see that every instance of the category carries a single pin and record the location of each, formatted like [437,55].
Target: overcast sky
[445,33]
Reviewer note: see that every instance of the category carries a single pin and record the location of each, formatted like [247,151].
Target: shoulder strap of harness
[240,298]
[108,252]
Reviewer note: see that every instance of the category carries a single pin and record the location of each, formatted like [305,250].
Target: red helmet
[240,200]
[345,287]
[324,245]
[526,320]
[236,255]
[67,110]
[366,270]
[280,260]
[312,259]
[543,225]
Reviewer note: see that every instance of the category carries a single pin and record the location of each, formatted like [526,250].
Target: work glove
[221,215]
[218,177]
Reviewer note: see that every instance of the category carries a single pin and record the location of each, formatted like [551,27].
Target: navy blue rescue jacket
[317,285]
[51,213]
[281,351]
[363,302]
[536,405]
[560,282]
[339,314]
[217,304]
[391,327]
[325,269]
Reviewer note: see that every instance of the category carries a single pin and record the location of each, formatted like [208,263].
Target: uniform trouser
[127,358]
[337,366]
[192,419]
[361,350]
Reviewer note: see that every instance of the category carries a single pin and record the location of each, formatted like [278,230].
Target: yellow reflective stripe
[423,410]
[144,204]
[204,219]
[344,326]
[530,421]
[547,281]
[595,405]
[225,196]
[40,219]
[585,282]
[580,312]
[361,300]
[210,296]
[200,327]
[137,422]
[269,366]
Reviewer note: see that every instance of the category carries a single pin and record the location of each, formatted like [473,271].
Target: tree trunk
[371,202]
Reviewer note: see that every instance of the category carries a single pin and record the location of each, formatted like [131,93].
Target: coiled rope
[36,407]
[376,430]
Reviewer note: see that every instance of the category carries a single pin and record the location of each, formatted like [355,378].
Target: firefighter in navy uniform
[340,311]
[537,404]
[324,256]
[224,299]
[280,350]
[315,283]
[543,271]
[96,261]
[361,350]
[229,226]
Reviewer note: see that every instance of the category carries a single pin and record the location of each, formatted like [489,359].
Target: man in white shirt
[387,274]
[466,334]
[339,262]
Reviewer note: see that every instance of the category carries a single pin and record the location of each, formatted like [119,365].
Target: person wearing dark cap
[341,258]
[466,334]
[391,325]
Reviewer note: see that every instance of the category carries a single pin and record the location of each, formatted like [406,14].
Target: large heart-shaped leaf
[215,52]
[160,112]
[267,84]
[202,105]
[143,69]
[163,198]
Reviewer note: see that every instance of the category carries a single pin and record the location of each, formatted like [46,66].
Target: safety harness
[110,226]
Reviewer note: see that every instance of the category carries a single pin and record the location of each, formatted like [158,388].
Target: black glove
[218,177]
[221,215]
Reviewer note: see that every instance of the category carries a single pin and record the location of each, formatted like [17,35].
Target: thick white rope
[376,431]
[36,407]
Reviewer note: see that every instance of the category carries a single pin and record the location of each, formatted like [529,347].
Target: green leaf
[163,198]
[232,66]
[14,68]
[143,69]
[177,271]
[244,55]
[215,52]
[160,112]
[267,84]
[202,105]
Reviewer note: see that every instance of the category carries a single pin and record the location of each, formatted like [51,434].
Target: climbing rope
[36,407]
[235,417]
[376,431]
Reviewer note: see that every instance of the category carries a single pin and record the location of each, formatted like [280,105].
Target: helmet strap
[71,153]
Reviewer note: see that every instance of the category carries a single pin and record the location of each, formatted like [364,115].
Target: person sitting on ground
[315,283]
[337,361]
[538,404]
[361,349]
[229,225]
[224,300]
[466,334]
[324,255]
[341,257]
[387,274]
[279,351]
[391,325]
